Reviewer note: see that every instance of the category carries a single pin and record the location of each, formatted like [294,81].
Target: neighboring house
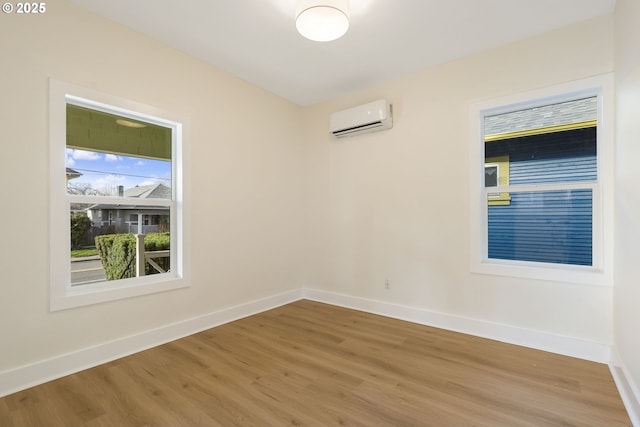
[552,144]
[72,173]
[75,207]
[132,218]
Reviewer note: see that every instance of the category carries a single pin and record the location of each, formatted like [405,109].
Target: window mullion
[99,200]
[556,186]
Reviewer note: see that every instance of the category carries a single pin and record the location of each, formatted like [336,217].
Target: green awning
[94,130]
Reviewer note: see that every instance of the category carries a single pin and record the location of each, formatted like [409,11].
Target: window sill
[577,274]
[81,295]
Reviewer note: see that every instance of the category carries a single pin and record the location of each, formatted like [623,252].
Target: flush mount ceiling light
[130,124]
[322,20]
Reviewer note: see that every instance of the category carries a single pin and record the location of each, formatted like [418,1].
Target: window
[496,174]
[123,190]
[539,211]
[491,172]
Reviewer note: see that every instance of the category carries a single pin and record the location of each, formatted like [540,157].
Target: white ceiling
[257,41]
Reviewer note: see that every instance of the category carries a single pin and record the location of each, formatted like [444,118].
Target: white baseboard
[629,390]
[569,346]
[33,374]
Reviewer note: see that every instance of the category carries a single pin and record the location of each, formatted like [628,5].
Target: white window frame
[600,273]
[62,294]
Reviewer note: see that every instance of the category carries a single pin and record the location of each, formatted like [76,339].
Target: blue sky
[105,172]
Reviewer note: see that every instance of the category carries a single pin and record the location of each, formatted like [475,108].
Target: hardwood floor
[312,364]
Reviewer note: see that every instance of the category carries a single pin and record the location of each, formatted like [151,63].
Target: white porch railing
[143,257]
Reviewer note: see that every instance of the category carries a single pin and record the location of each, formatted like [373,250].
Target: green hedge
[118,253]
[80,226]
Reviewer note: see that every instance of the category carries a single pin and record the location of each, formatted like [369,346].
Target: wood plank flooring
[312,364]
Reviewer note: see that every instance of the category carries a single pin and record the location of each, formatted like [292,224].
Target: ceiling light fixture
[322,20]
[130,124]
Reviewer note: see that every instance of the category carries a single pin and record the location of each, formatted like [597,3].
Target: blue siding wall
[549,226]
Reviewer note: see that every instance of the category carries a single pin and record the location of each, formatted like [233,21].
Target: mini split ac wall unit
[371,117]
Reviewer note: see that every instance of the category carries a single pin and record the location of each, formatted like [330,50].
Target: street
[86,270]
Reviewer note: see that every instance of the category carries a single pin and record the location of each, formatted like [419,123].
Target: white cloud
[112,158]
[69,157]
[109,179]
[84,155]
[139,163]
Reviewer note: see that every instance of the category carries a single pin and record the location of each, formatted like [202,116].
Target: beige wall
[627,236]
[246,161]
[394,205]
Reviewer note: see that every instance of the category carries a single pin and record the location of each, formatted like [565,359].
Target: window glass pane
[104,246]
[491,176]
[552,143]
[566,156]
[543,226]
[93,173]
[111,155]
